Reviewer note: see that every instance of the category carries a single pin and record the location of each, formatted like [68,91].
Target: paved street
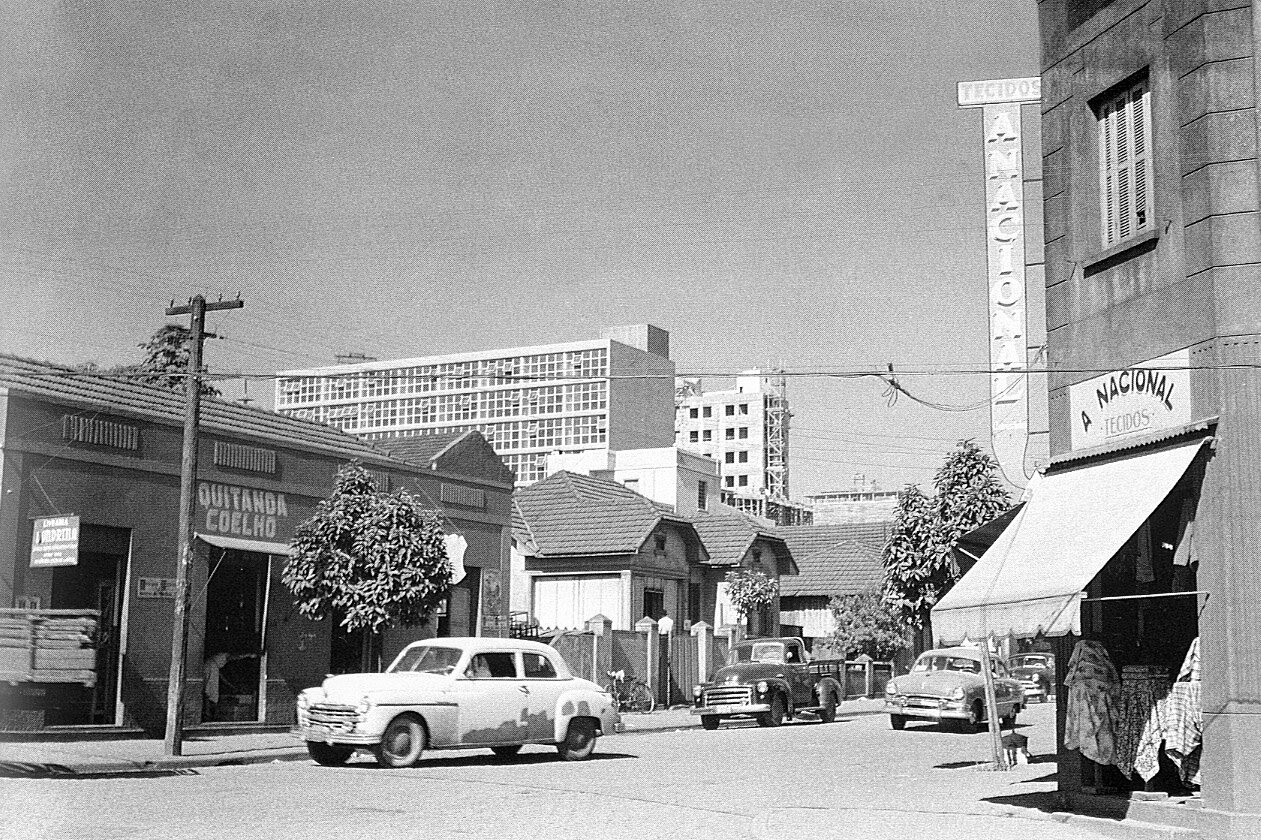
[853,778]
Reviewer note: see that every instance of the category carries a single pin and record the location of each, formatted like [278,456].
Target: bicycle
[629,695]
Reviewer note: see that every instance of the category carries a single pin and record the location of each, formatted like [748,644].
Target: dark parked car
[1036,673]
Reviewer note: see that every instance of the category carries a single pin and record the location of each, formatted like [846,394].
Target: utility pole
[196,309]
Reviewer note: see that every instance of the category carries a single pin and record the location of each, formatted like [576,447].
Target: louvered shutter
[1125,164]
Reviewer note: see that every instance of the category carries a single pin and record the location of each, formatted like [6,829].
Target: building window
[731,434]
[744,457]
[729,457]
[744,408]
[707,412]
[743,481]
[707,435]
[731,411]
[744,433]
[659,541]
[730,481]
[702,495]
[693,436]
[1125,140]
[693,413]
[654,603]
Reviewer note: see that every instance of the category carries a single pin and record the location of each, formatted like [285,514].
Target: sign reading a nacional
[55,542]
[1147,397]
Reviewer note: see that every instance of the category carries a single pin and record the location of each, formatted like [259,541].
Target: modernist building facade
[1141,535]
[107,453]
[614,392]
[744,429]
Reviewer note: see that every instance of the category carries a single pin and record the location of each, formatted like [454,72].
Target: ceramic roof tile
[728,536]
[571,514]
[111,394]
[834,559]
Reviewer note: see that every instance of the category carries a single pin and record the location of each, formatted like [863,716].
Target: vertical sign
[1000,101]
[55,542]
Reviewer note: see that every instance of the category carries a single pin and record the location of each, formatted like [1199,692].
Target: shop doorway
[235,658]
[96,582]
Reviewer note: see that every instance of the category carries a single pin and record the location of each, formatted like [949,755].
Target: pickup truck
[770,680]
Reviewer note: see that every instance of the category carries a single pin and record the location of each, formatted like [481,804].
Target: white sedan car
[456,693]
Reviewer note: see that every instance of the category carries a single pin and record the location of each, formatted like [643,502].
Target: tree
[166,360]
[376,560]
[750,591]
[867,624]
[919,567]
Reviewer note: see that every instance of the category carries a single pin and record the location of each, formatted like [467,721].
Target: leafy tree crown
[750,590]
[866,624]
[379,560]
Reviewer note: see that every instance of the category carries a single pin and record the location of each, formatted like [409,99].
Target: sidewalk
[145,755]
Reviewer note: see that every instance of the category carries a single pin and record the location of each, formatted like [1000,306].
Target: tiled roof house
[833,560]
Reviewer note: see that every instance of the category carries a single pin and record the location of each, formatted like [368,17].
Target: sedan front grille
[333,716]
[921,701]
[736,695]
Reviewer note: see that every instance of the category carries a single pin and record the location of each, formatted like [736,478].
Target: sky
[781,184]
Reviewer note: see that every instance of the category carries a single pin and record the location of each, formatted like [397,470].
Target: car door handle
[524,689]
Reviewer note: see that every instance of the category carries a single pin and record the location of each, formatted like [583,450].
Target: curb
[175,765]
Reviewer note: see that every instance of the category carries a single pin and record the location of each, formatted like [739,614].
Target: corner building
[1153,300]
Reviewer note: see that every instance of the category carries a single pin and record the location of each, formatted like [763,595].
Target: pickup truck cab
[770,680]
[452,693]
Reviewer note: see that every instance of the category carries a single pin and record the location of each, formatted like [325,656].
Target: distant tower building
[864,502]
[746,431]
[529,402]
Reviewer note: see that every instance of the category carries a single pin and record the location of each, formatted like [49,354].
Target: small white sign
[999,91]
[55,542]
[1147,397]
[155,587]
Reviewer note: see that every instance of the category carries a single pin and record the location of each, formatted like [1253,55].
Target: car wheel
[775,716]
[710,722]
[402,743]
[976,717]
[579,740]
[897,721]
[329,755]
[506,751]
[827,712]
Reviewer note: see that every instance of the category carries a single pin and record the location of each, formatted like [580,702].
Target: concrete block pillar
[704,636]
[601,629]
[648,628]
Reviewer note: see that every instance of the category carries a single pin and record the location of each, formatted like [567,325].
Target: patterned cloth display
[1093,702]
[1184,719]
[1141,725]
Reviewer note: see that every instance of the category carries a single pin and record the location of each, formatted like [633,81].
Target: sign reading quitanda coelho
[1147,397]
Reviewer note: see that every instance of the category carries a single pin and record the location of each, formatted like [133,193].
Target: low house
[833,560]
[583,546]
[735,541]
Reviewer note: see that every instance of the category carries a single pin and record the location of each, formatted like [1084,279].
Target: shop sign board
[243,512]
[1000,101]
[155,587]
[55,542]
[1147,397]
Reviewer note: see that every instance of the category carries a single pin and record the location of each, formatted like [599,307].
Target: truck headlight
[957,694]
[304,701]
[890,689]
[763,687]
[696,692]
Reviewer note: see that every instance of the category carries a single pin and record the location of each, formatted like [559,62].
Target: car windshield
[757,652]
[947,663]
[427,659]
[1031,662]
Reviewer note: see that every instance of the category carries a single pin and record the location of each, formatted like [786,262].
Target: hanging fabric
[1093,702]
[1184,718]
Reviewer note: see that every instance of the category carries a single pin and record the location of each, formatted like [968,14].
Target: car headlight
[304,701]
[957,694]
[763,687]
[890,689]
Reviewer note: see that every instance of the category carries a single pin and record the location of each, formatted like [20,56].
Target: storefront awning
[242,544]
[1031,580]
